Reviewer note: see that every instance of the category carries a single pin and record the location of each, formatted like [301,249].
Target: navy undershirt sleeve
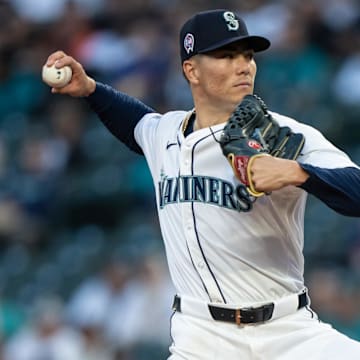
[119,112]
[337,188]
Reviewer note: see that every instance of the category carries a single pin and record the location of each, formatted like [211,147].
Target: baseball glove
[251,132]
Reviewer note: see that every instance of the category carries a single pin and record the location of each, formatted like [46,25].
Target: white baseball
[55,77]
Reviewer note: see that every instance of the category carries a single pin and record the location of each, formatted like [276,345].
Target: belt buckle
[258,314]
[238,317]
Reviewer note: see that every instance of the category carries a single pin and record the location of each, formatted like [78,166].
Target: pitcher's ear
[190,71]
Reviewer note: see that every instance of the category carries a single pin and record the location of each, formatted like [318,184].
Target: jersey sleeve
[155,132]
[338,188]
[333,177]
[148,137]
[119,112]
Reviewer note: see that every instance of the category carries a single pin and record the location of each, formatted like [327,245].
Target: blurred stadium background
[82,268]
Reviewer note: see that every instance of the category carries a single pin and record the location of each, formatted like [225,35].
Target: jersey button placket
[185,156]
[190,231]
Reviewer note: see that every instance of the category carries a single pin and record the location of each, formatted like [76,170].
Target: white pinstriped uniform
[216,252]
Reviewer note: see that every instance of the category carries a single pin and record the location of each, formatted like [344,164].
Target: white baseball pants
[297,336]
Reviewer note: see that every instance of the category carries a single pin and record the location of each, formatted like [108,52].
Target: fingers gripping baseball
[79,85]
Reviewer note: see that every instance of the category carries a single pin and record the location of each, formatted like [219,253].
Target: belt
[247,315]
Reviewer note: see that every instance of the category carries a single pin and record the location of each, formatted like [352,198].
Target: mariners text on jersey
[203,189]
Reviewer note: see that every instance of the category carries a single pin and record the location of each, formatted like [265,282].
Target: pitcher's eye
[228,55]
[249,54]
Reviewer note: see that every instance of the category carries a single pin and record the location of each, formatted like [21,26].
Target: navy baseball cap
[210,30]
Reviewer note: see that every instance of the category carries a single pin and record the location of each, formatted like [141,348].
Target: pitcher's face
[226,74]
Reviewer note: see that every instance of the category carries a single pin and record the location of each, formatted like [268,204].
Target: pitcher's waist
[242,315]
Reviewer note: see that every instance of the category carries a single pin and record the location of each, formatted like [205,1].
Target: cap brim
[256,43]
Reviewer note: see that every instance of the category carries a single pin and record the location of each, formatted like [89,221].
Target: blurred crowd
[82,267]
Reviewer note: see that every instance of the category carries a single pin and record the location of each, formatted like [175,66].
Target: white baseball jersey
[216,251]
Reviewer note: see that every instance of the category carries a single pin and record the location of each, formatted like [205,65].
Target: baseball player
[236,260]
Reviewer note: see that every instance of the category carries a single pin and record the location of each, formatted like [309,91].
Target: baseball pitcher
[231,179]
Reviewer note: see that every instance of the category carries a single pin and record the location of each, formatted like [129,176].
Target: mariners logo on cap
[231,21]
[189,43]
